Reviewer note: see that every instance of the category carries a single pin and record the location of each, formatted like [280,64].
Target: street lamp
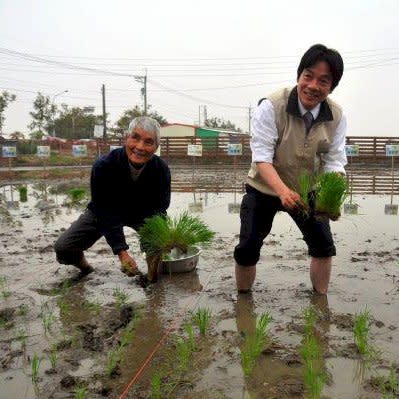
[52,102]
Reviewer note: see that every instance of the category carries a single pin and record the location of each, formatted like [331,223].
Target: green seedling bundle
[160,234]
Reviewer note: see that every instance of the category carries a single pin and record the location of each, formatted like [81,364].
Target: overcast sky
[224,54]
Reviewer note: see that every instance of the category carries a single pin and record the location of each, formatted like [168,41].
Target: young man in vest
[294,131]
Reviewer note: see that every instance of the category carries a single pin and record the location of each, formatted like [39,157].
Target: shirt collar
[314,111]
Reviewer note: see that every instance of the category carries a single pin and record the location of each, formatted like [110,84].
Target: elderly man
[296,130]
[127,186]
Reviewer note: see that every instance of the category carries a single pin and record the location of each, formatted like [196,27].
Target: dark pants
[257,214]
[81,235]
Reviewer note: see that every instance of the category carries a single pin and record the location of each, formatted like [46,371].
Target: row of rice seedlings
[121,296]
[255,344]
[185,347]
[115,356]
[311,353]
[52,356]
[390,386]
[5,292]
[35,366]
[23,310]
[21,336]
[64,307]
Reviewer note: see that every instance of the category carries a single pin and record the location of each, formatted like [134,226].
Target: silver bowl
[182,265]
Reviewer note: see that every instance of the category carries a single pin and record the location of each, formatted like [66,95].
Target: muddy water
[87,323]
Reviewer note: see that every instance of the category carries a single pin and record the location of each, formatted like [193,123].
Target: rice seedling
[390,386]
[254,344]
[21,337]
[310,317]
[128,333]
[94,306]
[23,193]
[23,310]
[53,358]
[306,183]
[76,195]
[331,191]
[121,296]
[113,359]
[47,321]
[183,353]
[189,329]
[64,308]
[81,392]
[156,385]
[35,366]
[160,234]
[5,292]
[202,319]
[361,329]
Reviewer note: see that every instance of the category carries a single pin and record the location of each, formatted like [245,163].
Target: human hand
[128,264]
[290,199]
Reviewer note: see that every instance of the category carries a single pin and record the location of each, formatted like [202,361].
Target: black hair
[319,52]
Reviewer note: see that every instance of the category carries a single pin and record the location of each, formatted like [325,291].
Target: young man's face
[140,146]
[314,84]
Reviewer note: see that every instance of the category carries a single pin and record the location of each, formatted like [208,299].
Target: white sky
[201,49]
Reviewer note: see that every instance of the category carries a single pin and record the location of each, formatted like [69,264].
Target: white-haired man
[127,186]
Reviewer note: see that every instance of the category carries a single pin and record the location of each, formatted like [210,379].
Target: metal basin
[184,264]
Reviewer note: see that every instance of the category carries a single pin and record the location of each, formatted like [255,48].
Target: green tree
[5,99]
[123,122]
[221,124]
[42,115]
[76,123]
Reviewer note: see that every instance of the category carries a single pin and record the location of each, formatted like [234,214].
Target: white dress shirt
[264,137]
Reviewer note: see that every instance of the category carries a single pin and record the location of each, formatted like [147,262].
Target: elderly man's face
[140,146]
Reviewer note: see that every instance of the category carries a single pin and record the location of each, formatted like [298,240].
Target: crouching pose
[295,130]
[127,186]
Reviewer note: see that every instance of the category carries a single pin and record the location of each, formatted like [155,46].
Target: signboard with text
[43,151]
[79,150]
[352,150]
[194,150]
[392,150]
[9,151]
[234,149]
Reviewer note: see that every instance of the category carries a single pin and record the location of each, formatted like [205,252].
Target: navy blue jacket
[117,200]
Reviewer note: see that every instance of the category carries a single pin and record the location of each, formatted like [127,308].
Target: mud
[86,320]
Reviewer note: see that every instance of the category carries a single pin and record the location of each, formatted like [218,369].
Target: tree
[17,136]
[43,114]
[221,124]
[123,122]
[76,123]
[5,99]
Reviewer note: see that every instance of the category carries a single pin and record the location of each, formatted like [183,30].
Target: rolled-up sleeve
[263,133]
[335,159]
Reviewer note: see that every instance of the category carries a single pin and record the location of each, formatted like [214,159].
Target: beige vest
[297,152]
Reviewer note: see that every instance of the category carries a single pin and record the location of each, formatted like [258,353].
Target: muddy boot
[84,266]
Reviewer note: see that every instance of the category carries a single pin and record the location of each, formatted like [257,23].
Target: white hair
[147,124]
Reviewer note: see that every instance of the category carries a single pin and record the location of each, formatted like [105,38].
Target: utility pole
[199,115]
[104,114]
[205,114]
[143,81]
[249,119]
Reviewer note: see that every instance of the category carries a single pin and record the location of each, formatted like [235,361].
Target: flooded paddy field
[106,336]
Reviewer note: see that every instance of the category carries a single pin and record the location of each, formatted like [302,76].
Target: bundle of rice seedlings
[306,183]
[160,234]
[331,192]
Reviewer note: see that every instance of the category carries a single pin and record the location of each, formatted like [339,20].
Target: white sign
[79,150]
[194,150]
[43,151]
[114,147]
[98,131]
[234,149]
[392,150]
[9,152]
[352,150]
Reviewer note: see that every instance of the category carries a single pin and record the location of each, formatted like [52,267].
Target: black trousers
[257,215]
